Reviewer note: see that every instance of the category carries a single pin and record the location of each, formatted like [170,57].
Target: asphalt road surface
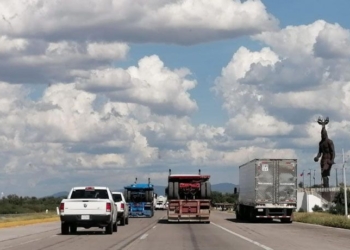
[224,232]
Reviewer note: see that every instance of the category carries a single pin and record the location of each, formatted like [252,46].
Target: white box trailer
[267,189]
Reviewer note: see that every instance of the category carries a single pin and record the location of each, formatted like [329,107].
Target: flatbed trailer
[189,198]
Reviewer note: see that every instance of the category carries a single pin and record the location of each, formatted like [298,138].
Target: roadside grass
[26,219]
[324,219]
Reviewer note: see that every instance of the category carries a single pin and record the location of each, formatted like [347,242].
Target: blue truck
[140,198]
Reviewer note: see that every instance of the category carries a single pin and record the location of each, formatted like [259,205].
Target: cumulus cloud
[49,62]
[277,92]
[181,22]
[150,84]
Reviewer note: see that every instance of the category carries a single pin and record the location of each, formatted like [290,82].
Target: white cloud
[182,22]
[42,62]
[277,93]
[8,45]
[150,84]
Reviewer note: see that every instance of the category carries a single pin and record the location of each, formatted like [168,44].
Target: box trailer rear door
[286,181]
[265,191]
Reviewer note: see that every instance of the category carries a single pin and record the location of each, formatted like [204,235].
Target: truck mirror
[235,190]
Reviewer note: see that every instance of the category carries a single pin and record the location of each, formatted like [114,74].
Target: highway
[224,232]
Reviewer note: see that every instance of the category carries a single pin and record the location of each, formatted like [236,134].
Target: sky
[98,92]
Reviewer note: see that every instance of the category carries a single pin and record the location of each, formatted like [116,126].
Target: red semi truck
[189,197]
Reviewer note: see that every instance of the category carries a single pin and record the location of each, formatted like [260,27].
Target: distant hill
[160,190]
[223,187]
[60,194]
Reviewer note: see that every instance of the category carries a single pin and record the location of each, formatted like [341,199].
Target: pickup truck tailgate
[85,206]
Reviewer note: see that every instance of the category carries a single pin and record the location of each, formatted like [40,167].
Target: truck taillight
[62,207]
[108,207]
[122,205]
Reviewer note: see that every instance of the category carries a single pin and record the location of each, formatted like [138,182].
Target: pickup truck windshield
[90,194]
[117,197]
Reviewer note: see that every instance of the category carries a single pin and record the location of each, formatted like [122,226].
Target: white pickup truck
[122,207]
[88,207]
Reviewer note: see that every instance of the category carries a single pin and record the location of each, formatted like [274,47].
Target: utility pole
[304,179]
[336,177]
[310,176]
[314,177]
[345,188]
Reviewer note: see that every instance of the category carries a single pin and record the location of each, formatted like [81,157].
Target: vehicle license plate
[85,217]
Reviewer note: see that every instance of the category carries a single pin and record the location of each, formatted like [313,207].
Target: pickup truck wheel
[73,229]
[122,221]
[109,228]
[64,228]
[115,227]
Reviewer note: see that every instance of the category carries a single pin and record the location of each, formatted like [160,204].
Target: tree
[339,201]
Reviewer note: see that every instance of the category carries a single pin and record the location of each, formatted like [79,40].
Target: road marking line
[29,241]
[242,237]
[154,227]
[143,237]
[23,243]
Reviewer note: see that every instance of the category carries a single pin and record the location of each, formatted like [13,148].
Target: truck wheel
[171,190]
[109,228]
[208,188]
[252,217]
[149,196]
[205,190]
[115,227]
[73,229]
[202,190]
[64,228]
[286,220]
[176,190]
[127,220]
[128,195]
[122,221]
[125,195]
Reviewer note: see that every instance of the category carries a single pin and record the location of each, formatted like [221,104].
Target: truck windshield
[138,196]
[89,194]
[117,197]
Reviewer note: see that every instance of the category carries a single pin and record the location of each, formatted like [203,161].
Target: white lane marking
[29,241]
[154,227]
[242,237]
[144,236]
[23,243]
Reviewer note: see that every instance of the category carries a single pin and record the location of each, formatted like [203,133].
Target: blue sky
[147,117]
[206,60]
